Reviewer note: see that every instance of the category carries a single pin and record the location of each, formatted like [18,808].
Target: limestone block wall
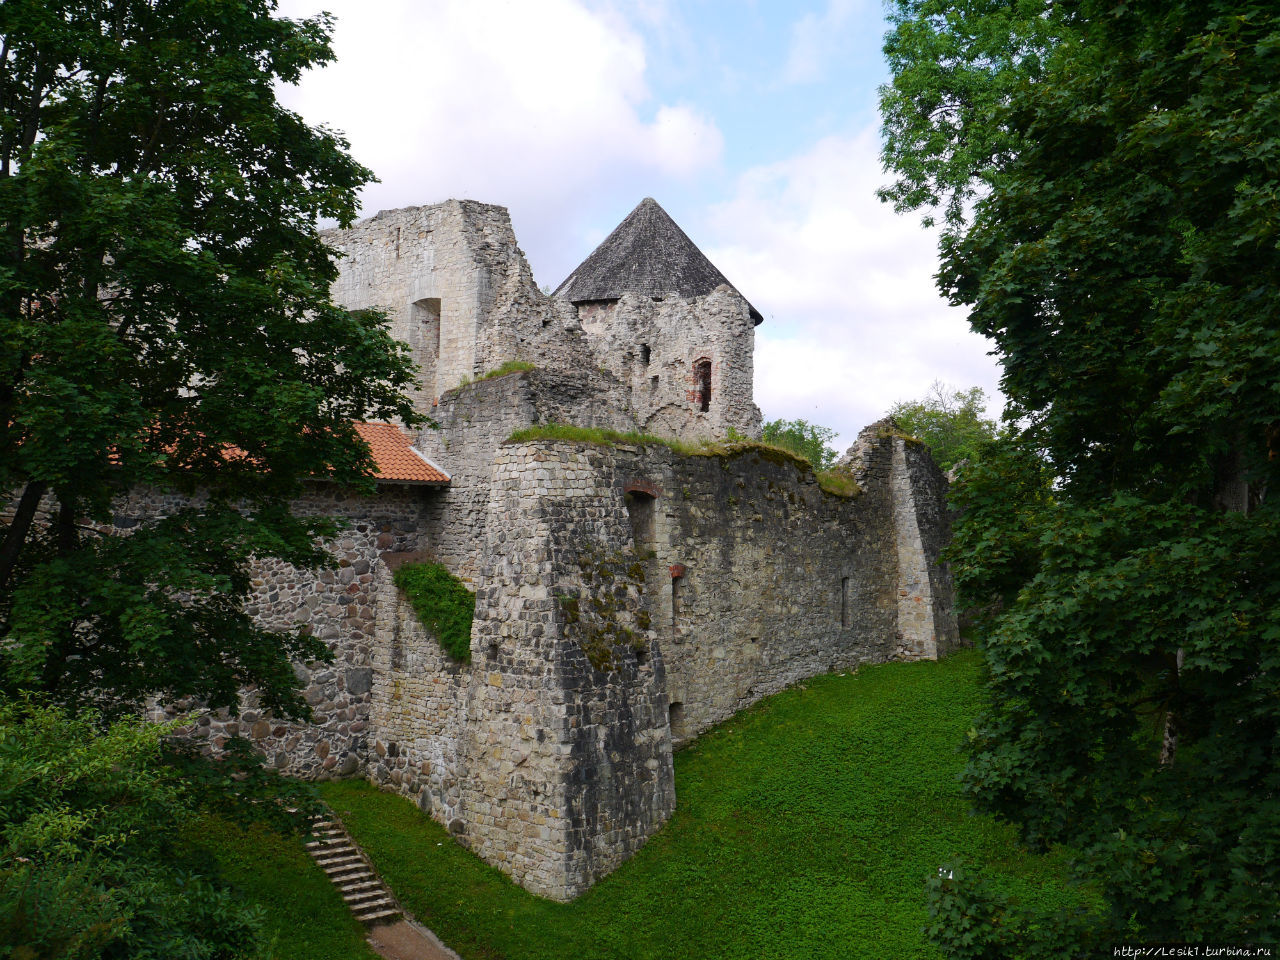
[475,420]
[338,606]
[458,291]
[417,264]
[653,347]
[628,598]
[927,622]
[754,577]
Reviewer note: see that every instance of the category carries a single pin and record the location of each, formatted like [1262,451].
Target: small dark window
[640,513]
[702,384]
[676,715]
[644,354]
[677,595]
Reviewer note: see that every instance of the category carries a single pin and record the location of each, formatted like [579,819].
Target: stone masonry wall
[628,598]
[652,347]
[927,622]
[474,420]
[338,606]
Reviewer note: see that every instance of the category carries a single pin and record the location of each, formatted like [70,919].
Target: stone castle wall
[628,598]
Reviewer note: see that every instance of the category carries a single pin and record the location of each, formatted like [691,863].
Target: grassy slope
[305,912]
[805,827]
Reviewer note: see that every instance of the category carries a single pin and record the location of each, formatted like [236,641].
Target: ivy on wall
[443,604]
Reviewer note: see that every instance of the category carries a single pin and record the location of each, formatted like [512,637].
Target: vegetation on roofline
[837,481]
[443,604]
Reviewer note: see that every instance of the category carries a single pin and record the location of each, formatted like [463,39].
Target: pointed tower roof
[648,254]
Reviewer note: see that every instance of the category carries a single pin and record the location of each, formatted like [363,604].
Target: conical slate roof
[647,254]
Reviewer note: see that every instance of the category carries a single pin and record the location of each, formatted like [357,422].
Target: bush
[89,863]
[443,603]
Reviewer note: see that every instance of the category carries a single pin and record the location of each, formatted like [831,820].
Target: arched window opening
[702,383]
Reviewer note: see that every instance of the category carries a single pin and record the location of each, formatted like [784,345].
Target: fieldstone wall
[338,606]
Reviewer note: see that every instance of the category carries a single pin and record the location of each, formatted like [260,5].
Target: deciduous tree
[165,322]
[1111,173]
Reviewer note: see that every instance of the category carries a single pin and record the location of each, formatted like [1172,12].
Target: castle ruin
[628,595]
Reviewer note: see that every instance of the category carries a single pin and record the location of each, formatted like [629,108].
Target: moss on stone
[443,604]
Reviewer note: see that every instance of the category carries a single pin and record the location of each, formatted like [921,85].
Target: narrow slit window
[677,598]
[702,384]
[844,603]
[644,354]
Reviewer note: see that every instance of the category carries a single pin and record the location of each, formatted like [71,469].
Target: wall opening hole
[424,340]
[676,715]
[493,651]
[702,383]
[653,384]
[642,656]
[844,602]
[640,512]
[644,354]
[677,599]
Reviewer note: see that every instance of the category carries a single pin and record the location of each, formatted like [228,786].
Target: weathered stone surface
[627,598]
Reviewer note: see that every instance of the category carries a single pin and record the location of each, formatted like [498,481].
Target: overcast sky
[753,124]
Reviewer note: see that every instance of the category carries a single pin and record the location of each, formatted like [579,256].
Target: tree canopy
[805,439]
[1110,174]
[952,422]
[165,323]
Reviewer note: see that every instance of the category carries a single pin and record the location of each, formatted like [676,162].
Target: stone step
[359,901]
[381,916]
[340,875]
[348,890]
[339,857]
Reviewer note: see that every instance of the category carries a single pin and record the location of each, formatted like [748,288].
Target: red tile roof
[397,461]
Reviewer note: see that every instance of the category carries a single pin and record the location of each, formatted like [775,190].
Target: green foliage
[839,482]
[952,423]
[1121,251]
[89,867]
[165,323]
[806,827]
[304,916]
[805,439]
[443,604]
[510,366]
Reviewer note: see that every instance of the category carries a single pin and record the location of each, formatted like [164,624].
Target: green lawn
[305,913]
[805,828]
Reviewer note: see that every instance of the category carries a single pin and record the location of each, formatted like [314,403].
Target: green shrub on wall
[443,604]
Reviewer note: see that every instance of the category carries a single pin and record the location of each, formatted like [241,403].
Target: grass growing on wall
[305,914]
[443,604]
[703,448]
[805,827]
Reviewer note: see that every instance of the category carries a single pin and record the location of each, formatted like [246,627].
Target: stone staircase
[345,864]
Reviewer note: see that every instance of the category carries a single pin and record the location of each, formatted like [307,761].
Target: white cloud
[853,320]
[526,104]
[816,38]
